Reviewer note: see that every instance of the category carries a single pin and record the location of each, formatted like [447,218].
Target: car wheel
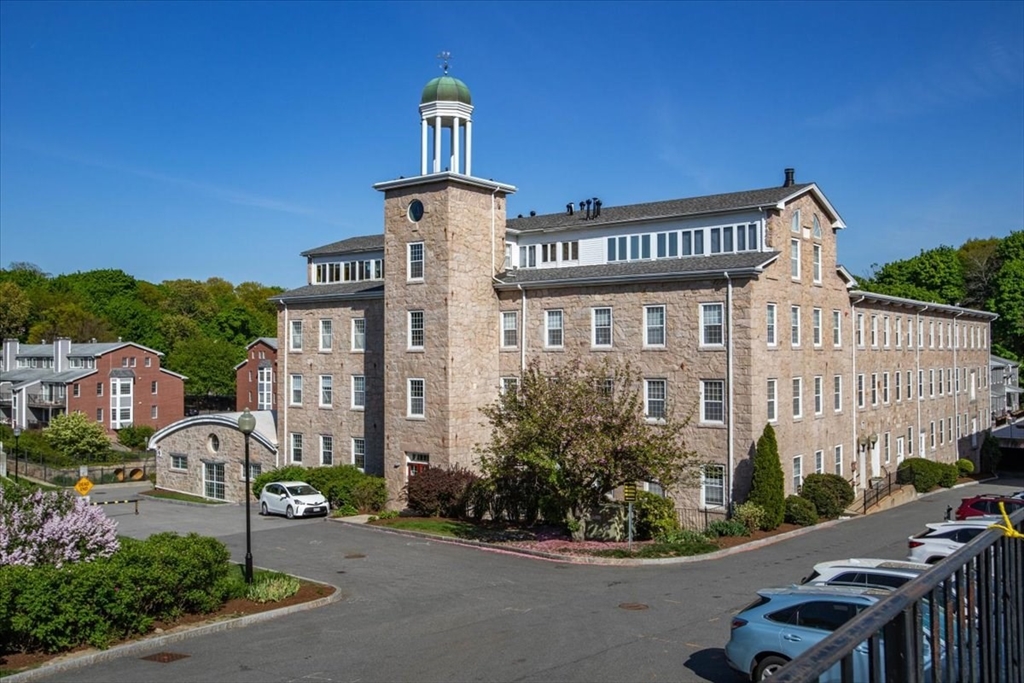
[768,667]
[263,509]
[934,560]
[289,513]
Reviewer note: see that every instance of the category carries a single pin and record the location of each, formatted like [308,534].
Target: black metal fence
[961,621]
[699,519]
[881,488]
[129,470]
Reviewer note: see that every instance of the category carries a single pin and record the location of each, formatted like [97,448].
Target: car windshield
[302,490]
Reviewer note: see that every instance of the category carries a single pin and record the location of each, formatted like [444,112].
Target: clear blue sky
[192,140]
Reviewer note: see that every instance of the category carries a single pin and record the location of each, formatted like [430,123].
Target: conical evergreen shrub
[768,485]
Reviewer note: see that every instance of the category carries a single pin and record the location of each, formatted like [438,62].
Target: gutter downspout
[493,268]
[728,370]
[854,405]
[284,413]
[522,334]
[956,382]
[920,384]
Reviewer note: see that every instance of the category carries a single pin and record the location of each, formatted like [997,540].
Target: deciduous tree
[77,436]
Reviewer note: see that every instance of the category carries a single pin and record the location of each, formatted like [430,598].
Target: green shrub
[345,510]
[370,494]
[829,493]
[440,492]
[653,516]
[286,473]
[273,588]
[727,527]
[768,483]
[923,474]
[135,438]
[948,474]
[800,511]
[346,486]
[964,467]
[750,515]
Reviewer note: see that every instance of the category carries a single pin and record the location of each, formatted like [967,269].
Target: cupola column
[437,144]
[456,134]
[469,146]
[424,144]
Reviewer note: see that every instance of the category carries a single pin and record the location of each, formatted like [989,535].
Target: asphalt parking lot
[421,610]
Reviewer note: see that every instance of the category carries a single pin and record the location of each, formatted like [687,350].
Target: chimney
[10,354]
[790,172]
[61,351]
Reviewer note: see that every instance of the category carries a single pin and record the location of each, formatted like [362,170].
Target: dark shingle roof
[661,269]
[716,203]
[353,245]
[369,289]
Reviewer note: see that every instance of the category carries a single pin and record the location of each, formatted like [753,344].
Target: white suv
[942,539]
[865,572]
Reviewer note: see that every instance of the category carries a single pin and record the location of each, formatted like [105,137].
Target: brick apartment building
[116,383]
[255,377]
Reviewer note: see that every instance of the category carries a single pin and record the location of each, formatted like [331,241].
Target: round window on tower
[415,210]
[213,443]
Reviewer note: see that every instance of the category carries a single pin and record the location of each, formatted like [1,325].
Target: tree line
[201,327]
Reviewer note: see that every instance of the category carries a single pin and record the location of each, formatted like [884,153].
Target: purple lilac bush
[52,528]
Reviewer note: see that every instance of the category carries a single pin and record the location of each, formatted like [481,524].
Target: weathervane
[445,57]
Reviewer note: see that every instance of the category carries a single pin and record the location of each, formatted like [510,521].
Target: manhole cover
[165,657]
[633,606]
[354,556]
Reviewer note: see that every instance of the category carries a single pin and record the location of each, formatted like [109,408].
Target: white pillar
[469,146]
[437,144]
[423,148]
[455,145]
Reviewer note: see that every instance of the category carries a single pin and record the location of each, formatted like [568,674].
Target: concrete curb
[137,647]
[590,560]
[148,498]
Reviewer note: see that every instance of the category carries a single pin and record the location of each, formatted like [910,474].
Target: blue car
[785,622]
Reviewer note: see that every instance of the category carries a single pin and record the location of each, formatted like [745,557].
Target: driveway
[422,610]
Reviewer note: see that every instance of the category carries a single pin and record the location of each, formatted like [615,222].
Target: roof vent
[568,208]
[790,173]
[533,213]
[597,207]
[588,203]
[519,216]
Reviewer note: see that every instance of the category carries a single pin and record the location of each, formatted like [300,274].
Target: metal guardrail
[973,605]
[881,490]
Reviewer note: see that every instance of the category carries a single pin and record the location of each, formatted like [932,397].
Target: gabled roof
[862,295]
[689,268]
[773,197]
[22,376]
[90,350]
[269,341]
[997,361]
[368,289]
[352,245]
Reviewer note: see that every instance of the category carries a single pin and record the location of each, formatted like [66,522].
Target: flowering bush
[52,528]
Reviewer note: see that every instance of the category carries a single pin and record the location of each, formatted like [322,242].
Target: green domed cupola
[446,89]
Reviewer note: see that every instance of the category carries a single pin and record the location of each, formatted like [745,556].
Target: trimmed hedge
[965,467]
[926,474]
[727,527]
[800,511]
[342,485]
[829,493]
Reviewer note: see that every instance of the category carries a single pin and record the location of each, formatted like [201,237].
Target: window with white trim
[509,329]
[601,327]
[816,326]
[874,388]
[326,335]
[359,334]
[414,261]
[860,330]
[819,462]
[816,233]
[874,331]
[885,387]
[121,403]
[794,325]
[711,325]
[899,385]
[816,263]
[770,321]
[358,392]
[887,447]
[415,330]
[837,393]
[296,446]
[264,388]
[712,485]
[837,462]
[359,452]
[860,390]
[326,450]
[417,398]
[509,385]
[213,480]
[179,461]
[295,343]
[655,393]
[794,259]
[910,387]
[837,329]
[553,332]
[326,391]
[798,475]
[899,332]
[795,225]
[712,394]
[920,385]
[819,400]
[798,391]
[885,331]
[772,398]
[654,326]
[296,393]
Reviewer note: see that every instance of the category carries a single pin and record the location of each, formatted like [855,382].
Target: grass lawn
[453,528]
[174,495]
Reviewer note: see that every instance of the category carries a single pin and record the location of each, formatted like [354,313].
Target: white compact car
[865,572]
[292,499]
[942,539]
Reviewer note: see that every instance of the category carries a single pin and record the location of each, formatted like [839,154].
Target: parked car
[988,504]
[292,499]
[785,622]
[942,539]
[865,572]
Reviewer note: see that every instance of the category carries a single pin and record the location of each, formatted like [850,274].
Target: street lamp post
[17,435]
[247,423]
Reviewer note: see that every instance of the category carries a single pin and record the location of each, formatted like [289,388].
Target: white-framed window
[910,387]
[358,392]
[931,335]
[553,330]
[712,485]
[213,480]
[179,461]
[885,387]
[819,462]
[798,473]
[794,259]
[359,452]
[326,449]
[920,333]
[819,400]
[571,251]
[153,412]
[76,390]
[899,332]
[795,225]
[837,462]
[295,343]
[148,361]
[794,325]
[359,334]
[816,263]
[931,383]
[798,396]
[326,335]
[899,385]
[816,326]
[601,327]
[874,331]
[885,331]
[265,388]
[860,390]
[940,334]
[772,398]
[509,329]
[712,395]
[941,385]
[326,391]
[874,388]
[910,440]
[655,393]
[654,326]
[296,446]
[415,330]
[417,398]
[711,325]
[931,435]
[837,393]
[920,385]
[837,329]
[121,403]
[509,385]
[817,228]
[887,447]
[770,320]
[296,390]
[860,329]
[414,262]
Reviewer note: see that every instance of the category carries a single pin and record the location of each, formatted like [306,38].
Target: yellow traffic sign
[629,492]
[83,486]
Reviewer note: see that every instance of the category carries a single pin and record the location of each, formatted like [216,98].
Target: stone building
[734,306]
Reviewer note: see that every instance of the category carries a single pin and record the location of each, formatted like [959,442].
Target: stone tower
[444,237]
